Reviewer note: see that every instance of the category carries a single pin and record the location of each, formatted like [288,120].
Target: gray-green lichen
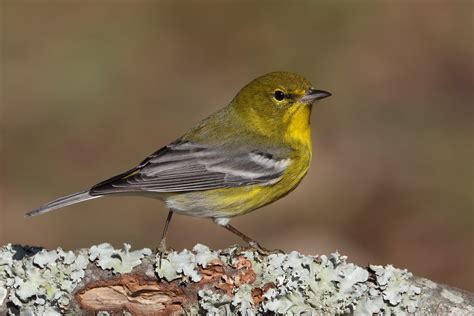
[391,293]
[215,303]
[41,283]
[299,284]
[185,263]
[230,281]
[117,260]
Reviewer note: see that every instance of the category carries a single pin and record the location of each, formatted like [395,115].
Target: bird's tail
[63,201]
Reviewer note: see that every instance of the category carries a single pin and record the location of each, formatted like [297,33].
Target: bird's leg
[246,238]
[162,246]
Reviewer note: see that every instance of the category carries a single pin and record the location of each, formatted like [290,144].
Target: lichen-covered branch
[229,281]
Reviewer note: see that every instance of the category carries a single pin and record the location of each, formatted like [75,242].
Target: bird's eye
[279,95]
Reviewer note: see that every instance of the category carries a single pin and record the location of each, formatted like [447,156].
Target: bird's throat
[298,129]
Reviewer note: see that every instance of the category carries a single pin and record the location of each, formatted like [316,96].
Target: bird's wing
[185,166]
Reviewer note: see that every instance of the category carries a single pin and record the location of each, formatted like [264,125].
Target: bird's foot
[161,249]
[261,250]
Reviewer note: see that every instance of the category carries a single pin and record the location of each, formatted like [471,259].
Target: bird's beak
[313,95]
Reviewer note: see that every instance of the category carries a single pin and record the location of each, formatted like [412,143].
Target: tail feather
[63,201]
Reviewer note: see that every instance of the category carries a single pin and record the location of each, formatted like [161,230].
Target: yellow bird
[252,152]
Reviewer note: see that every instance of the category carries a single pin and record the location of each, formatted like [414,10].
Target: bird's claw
[261,250]
[161,249]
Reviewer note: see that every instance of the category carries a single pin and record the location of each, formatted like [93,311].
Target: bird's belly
[226,202]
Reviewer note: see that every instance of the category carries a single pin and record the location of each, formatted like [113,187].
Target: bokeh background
[89,88]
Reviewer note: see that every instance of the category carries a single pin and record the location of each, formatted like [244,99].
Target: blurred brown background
[90,88]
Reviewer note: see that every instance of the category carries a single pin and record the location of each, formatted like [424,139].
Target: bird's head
[278,99]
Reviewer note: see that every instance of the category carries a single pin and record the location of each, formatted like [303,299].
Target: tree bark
[203,281]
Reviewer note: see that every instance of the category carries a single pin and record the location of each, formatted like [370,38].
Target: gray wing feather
[185,166]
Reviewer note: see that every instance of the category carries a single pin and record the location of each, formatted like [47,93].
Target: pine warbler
[252,152]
